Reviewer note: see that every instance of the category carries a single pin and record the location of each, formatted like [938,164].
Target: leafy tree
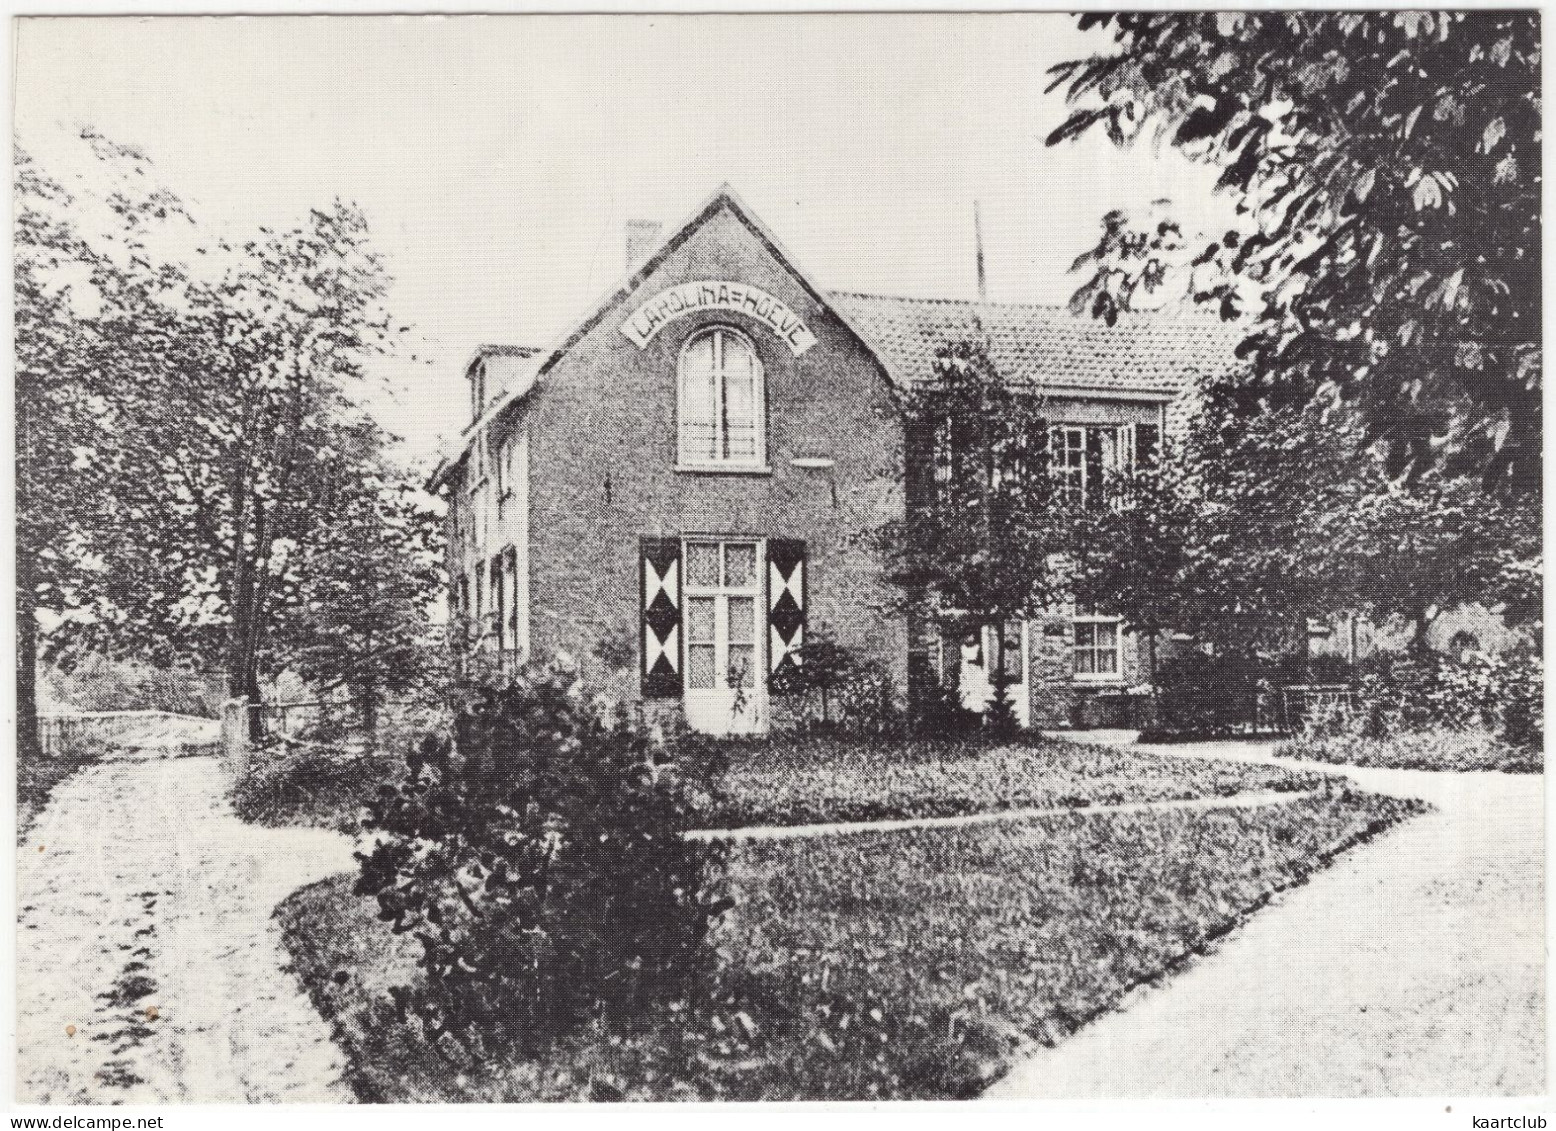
[261,453]
[1256,525]
[79,264]
[46,330]
[1133,556]
[188,435]
[986,526]
[1424,548]
[361,617]
[1388,167]
[1272,520]
[821,667]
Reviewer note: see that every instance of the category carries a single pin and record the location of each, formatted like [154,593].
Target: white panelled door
[724,620]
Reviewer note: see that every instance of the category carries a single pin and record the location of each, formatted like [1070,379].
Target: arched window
[721,401]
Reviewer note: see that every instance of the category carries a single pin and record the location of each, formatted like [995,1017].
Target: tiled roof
[1143,353]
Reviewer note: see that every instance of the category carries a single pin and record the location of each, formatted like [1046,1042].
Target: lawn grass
[807,779]
[1440,749]
[804,779]
[898,965]
[37,776]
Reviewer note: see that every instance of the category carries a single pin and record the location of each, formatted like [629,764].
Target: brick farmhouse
[681,488]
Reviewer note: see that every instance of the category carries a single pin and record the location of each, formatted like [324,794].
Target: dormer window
[722,403]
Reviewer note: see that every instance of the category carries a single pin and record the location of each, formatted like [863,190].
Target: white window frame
[1058,454]
[755,464]
[1114,676]
[1118,454]
[720,595]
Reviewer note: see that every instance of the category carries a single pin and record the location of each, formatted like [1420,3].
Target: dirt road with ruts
[149,969]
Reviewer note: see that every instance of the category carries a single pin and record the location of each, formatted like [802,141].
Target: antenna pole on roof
[983,285]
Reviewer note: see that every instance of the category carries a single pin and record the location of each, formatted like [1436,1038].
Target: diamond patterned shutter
[785,600]
[660,574]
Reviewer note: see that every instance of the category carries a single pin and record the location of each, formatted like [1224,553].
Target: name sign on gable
[717,294]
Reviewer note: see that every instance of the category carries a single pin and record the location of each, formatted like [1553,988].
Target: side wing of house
[488,540]
[1111,396]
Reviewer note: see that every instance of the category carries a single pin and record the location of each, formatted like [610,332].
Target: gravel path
[148,967]
[1414,966]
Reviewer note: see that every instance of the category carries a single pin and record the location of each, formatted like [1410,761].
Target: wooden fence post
[235,736]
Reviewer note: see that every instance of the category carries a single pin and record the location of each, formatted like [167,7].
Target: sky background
[498,158]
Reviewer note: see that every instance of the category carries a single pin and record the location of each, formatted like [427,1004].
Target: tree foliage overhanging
[1288,515]
[1388,165]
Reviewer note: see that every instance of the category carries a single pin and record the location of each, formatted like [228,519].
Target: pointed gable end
[739,296]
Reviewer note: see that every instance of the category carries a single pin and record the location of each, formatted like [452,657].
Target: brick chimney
[642,238]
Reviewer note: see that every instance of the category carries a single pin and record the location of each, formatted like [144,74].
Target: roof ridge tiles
[947,301]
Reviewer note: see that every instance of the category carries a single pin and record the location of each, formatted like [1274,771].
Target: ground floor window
[1096,649]
[722,587]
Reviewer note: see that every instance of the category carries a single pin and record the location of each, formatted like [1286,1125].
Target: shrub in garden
[1522,701]
[1427,710]
[1401,691]
[311,786]
[867,702]
[940,713]
[1412,691]
[537,856]
[999,715]
[1204,694]
[851,695]
[816,674]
